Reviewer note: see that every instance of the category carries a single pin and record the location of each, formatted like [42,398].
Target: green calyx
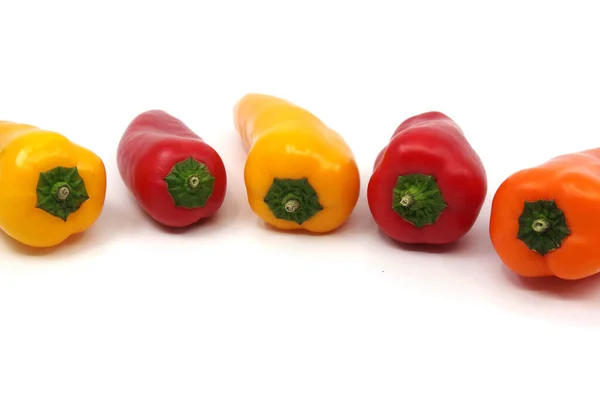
[542,226]
[60,192]
[190,183]
[418,199]
[293,200]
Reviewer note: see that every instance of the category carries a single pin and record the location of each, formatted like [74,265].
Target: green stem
[292,200]
[542,226]
[406,200]
[418,199]
[291,205]
[193,181]
[60,192]
[63,192]
[190,183]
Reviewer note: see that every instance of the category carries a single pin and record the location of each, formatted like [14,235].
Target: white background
[231,310]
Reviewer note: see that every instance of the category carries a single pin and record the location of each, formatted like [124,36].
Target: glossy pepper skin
[544,220]
[174,175]
[51,188]
[428,184]
[299,174]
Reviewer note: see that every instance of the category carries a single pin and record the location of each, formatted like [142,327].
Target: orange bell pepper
[299,173]
[544,220]
[52,188]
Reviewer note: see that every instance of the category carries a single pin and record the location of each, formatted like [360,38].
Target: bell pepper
[428,184]
[51,188]
[544,219]
[174,175]
[299,173]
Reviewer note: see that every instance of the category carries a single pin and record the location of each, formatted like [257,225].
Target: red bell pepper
[428,184]
[174,175]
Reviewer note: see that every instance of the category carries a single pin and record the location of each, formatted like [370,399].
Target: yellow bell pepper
[50,188]
[299,173]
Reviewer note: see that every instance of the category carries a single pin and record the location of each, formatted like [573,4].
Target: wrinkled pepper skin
[545,220]
[428,184]
[175,176]
[299,173]
[51,188]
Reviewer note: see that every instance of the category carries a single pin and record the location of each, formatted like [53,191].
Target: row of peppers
[428,184]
